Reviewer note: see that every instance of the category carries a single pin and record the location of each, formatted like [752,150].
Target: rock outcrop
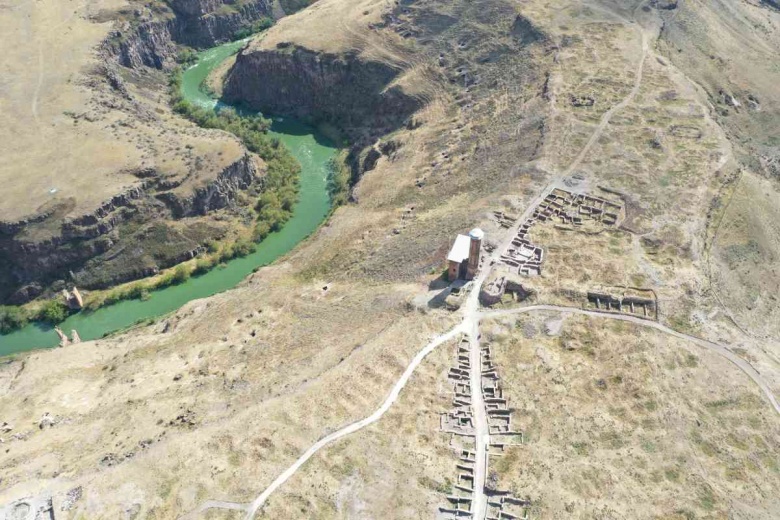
[62,253]
[215,195]
[347,90]
[152,38]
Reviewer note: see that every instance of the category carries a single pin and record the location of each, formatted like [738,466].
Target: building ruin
[503,283]
[638,302]
[567,208]
[459,423]
[73,299]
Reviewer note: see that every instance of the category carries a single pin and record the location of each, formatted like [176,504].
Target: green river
[310,148]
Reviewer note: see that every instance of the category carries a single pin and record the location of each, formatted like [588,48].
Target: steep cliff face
[152,39]
[215,195]
[215,21]
[116,227]
[150,44]
[347,90]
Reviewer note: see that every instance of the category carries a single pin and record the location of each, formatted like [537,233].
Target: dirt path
[399,385]
[481,429]
[470,324]
[721,350]
[38,85]
[611,112]
[214,504]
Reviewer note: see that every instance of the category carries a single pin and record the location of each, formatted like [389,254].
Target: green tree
[53,312]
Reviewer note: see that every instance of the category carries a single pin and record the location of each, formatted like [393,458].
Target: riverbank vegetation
[272,209]
[50,311]
[281,181]
[214,255]
[338,182]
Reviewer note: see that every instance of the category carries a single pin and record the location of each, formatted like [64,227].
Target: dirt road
[399,385]
[721,350]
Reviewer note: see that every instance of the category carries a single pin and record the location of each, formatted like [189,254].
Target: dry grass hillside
[216,400]
[158,423]
[79,147]
[619,422]
[77,132]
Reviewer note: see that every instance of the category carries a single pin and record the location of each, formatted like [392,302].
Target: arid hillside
[633,375]
[94,164]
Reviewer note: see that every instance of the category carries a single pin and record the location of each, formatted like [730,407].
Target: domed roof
[477,234]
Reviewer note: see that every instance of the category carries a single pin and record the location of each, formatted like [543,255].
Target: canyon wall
[41,249]
[160,221]
[354,94]
[151,39]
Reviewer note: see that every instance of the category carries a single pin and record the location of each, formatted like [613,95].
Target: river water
[310,148]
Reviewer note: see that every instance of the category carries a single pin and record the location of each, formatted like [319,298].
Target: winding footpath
[470,325]
[721,350]
[374,417]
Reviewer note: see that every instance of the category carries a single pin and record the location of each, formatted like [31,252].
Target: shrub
[180,275]
[260,25]
[212,246]
[186,56]
[262,229]
[165,280]
[12,318]
[338,181]
[53,312]
[202,265]
[134,291]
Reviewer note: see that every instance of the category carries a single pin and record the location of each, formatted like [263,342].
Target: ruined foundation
[526,258]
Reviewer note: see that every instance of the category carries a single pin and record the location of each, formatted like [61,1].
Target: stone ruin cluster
[43,506]
[459,422]
[643,306]
[501,504]
[505,220]
[524,257]
[496,406]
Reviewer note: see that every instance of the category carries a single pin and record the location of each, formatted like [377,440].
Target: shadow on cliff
[355,95]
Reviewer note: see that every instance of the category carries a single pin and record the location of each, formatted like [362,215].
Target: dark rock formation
[526,32]
[216,195]
[196,23]
[346,90]
[33,263]
[667,5]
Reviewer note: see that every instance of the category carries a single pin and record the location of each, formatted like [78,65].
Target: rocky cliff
[151,38]
[347,90]
[41,250]
[215,195]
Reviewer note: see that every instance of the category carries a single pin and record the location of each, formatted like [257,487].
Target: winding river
[310,148]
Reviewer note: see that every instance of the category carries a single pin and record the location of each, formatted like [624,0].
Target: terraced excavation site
[486,259]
